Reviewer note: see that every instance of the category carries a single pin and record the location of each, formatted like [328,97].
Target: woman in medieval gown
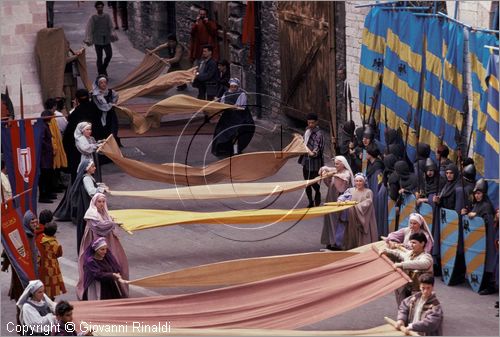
[334,223]
[102,278]
[362,225]
[101,224]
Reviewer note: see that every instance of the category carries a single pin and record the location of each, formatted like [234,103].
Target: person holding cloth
[421,312]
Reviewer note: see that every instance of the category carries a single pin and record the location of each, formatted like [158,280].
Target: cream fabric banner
[221,191]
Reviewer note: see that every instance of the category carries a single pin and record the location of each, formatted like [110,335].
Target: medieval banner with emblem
[15,244]
[21,142]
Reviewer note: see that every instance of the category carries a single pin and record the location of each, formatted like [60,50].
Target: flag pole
[21,99]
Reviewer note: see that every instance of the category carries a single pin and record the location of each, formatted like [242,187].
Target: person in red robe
[203,32]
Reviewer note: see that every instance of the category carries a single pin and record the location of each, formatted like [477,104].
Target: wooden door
[307,59]
[220,13]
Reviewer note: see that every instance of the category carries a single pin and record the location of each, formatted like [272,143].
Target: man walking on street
[100,34]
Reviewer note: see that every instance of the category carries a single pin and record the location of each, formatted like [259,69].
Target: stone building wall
[21,20]
[270,58]
[149,23]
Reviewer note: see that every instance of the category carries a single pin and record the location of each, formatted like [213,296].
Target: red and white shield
[24,163]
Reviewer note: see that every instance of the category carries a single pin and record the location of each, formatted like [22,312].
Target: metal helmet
[430,165]
[481,185]
[470,172]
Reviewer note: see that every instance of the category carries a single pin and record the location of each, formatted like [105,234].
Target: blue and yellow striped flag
[492,125]
[402,75]
[430,125]
[479,63]
[372,56]
[451,104]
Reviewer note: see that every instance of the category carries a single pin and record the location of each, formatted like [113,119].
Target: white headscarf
[28,292]
[79,129]
[423,225]
[346,166]
[92,212]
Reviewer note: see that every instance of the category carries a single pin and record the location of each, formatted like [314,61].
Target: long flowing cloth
[161,83]
[221,191]
[138,219]
[241,168]
[284,302]
[382,330]
[150,68]
[178,104]
[241,271]
[81,63]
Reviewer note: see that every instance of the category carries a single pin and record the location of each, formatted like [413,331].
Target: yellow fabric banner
[221,191]
[137,219]
[241,168]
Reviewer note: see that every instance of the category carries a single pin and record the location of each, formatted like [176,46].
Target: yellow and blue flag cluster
[423,75]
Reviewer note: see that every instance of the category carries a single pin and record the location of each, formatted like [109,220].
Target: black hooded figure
[401,178]
[423,152]
[465,187]
[447,198]
[374,177]
[431,179]
[483,208]
[389,162]
[85,111]
[236,127]
[347,142]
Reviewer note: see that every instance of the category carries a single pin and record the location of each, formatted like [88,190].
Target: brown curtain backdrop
[241,168]
[221,191]
[137,219]
[284,302]
[178,104]
[150,68]
[161,83]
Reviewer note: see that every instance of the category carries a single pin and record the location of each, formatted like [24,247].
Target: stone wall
[149,23]
[270,59]
[355,18]
[21,20]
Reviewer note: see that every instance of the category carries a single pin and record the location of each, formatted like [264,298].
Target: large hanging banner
[403,64]
[21,143]
[372,58]
[430,126]
[485,108]
[15,243]
[451,105]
